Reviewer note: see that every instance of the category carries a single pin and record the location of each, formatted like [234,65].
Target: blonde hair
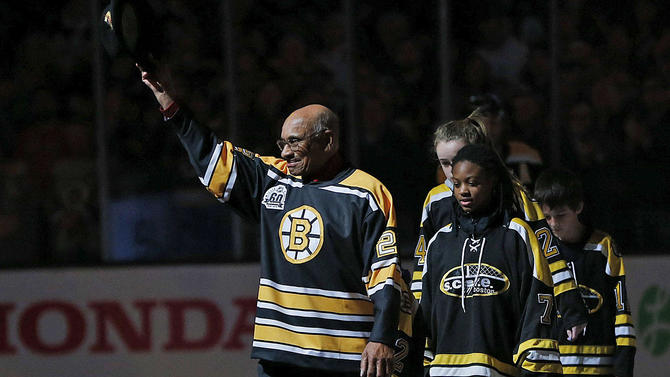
[472,130]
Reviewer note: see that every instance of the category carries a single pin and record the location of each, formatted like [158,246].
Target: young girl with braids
[448,139]
[438,211]
[487,291]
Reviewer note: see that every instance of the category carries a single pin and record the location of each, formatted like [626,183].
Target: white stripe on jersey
[347,190]
[216,154]
[625,330]
[231,182]
[433,199]
[308,352]
[284,180]
[312,330]
[586,360]
[314,314]
[561,276]
[542,355]
[521,230]
[384,263]
[381,264]
[312,291]
[381,286]
[471,370]
[416,286]
[593,246]
[444,229]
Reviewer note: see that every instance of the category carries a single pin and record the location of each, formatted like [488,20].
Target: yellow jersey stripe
[383,274]
[224,166]
[584,370]
[623,319]
[312,341]
[531,208]
[381,194]
[625,341]
[558,265]
[591,350]
[474,358]
[541,269]
[318,303]
[564,287]
[547,344]
[278,163]
[543,367]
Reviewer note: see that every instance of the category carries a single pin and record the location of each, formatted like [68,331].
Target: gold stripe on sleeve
[591,350]
[224,166]
[623,319]
[311,341]
[381,275]
[318,303]
[474,358]
[584,370]
[625,342]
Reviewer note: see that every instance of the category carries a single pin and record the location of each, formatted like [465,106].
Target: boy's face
[564,222]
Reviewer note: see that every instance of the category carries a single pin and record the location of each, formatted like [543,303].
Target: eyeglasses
[293,142]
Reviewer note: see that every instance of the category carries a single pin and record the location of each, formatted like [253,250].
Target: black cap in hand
[128,27]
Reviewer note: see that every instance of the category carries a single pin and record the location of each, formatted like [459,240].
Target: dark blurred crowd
[614,77]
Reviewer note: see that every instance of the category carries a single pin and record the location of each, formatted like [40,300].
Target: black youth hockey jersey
[487,301]
[439,210]
[608,347]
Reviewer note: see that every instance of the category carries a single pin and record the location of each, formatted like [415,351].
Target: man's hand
[377,360]
[156,87]
[576,331]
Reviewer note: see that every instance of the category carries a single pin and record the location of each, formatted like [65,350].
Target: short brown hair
[559,187]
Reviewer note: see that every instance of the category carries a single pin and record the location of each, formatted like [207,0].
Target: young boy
[608,345]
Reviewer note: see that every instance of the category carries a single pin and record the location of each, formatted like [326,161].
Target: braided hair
[509,197]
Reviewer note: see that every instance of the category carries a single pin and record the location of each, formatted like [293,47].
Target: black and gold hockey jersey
[608,347]
[439,210]
[330,277]
[487,301]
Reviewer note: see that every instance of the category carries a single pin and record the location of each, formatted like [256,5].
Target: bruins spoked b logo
[301,234]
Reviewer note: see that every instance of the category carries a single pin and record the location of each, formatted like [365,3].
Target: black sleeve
[567,297]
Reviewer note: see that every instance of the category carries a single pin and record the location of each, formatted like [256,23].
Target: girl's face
[446,151]
[473,188]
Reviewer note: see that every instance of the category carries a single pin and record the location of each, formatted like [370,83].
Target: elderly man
[329,301]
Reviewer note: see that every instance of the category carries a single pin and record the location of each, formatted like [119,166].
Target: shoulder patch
[275,197]
[245,152]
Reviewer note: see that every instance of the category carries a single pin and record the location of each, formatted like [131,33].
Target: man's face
[473,188]
[308,156]
[446,151]
[564,222]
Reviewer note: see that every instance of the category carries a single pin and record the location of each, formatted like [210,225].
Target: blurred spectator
[614,97]
[505,54]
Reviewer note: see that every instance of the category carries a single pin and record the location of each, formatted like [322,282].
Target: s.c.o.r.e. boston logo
[489,281]
[301,234]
